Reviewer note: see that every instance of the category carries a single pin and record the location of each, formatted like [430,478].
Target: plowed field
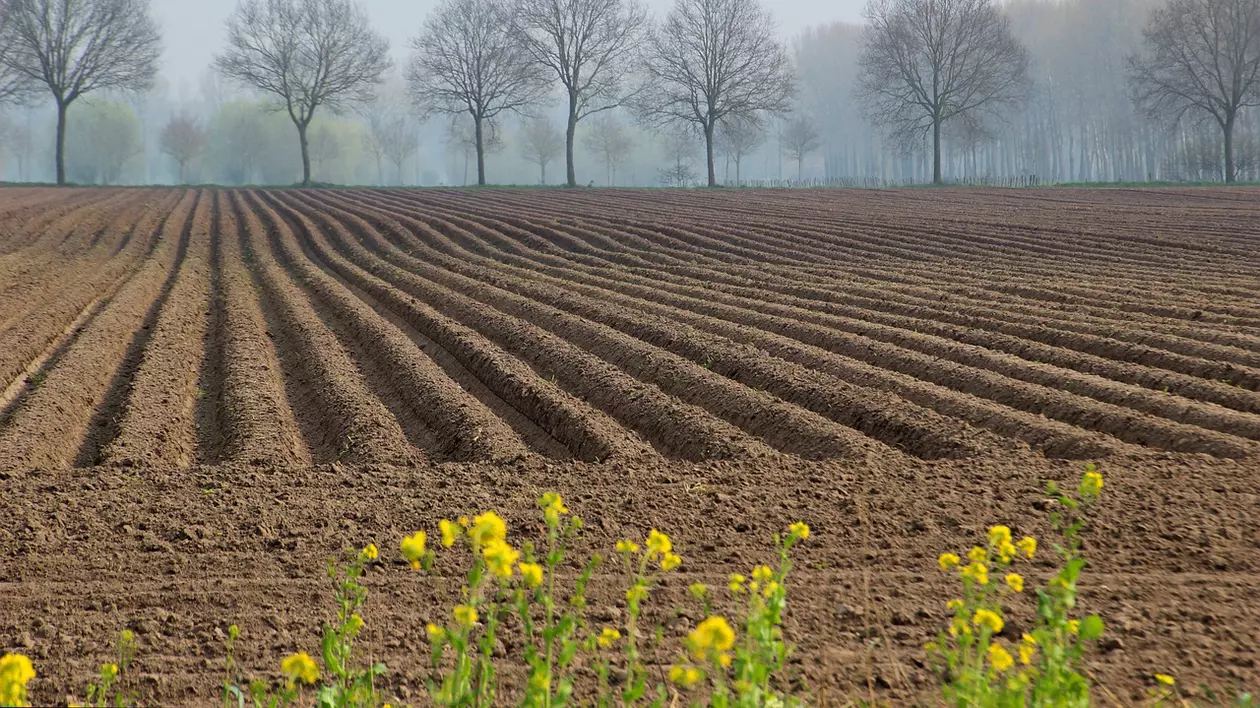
[205,393]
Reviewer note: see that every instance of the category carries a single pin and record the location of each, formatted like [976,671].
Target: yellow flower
[1015,582]
[636,593]
[1028,545]
[712,634]
[1006,551]
[977,572]
[800,530]
[464,521]
[948,561]
[628,547]
[999,535]
[15,672]
[450,531]
[977,554]
[369,552]
[685,677]
[487,528]
[999,657]
[1026,653]
[762,573]
[608,637]
[957,626]
[500,557]
[1029,639]
[1074,626]
[1165,679]
[670,561]
[300,667]
[1091,484]
[770,588]
[698,590]
[552,501]
[531,573]
[413,548]
[989,620]
[737,583]
[465,615]
[355,623]
[658,542]
[724,660]
[436,633]
[954,604]
[109,672]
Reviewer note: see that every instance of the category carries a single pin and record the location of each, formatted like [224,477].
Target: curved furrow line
[156,425]
[340,420]
[822,330]
[27,226]
[50,424]
[887,419]
[458,426]
[504,384]
[243,415]
[675,425]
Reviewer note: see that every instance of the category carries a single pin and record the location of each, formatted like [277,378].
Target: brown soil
[204,394]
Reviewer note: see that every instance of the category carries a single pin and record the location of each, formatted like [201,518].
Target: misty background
[1078,122]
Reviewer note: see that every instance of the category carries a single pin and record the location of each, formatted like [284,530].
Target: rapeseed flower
[685,676]
[977,572]
[954,604]
[736,583]
[670,561]
[15,672]
[355,623]
[713,634]
[999,535]
[450,531]
[770,588]
[999,657]
[300,667]
[552,507]
[698,590]
[436,633]
[1074,626]
[977,554]
[531,573]
[1006,551]
[725,659]
[1026,653]
[989,620]
[465,615]
[948,561]
[627,547]
[1091,484]
[1015,582]
[608,637]
[1165,679]
[762,573]
[413,548]
[800,530]
[369,552]
[500,557]
[658,542]
[487,528]
[1028,545]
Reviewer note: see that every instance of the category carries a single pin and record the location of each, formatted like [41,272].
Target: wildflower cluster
[15,672]
[1043,667]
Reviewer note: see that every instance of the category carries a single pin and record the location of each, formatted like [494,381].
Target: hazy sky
[193,29]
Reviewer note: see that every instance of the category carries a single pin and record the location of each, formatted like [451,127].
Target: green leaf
[1091,628]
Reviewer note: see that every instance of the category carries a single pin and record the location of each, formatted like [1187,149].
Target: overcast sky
[193,29]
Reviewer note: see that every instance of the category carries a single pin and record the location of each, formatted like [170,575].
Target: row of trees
[954,74]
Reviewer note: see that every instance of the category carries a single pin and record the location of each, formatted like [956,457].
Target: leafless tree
[469,60]
[398,136]
[18,139]
[798,139]
[391,133]
[462,139]
[737,138]
[325,149]
[541,142]
[183,139]
[308,54]
[591,46]
[927,62]
[714,59]
[678,146]
[1202,57]
[610,139]
[76,47]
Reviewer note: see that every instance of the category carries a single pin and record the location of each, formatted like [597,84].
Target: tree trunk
[708,151]
[181,173]
[800,168]
[380,171]
[570,131]
[738,183]
[542,177]
[306,154]
[1231,173]
[936,151]
[481,152]
[61,141]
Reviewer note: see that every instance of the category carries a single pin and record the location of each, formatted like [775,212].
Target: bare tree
[927,62]
[76,47]
[737,138]
[183,139]
[679,147]
[462,139]
[1202,57]
[391,133]
[308,54]
[18,139]
[541,142]
[325,149]
[469,60]
[610,139]
[591,46]
[374,143]
[798,139]
[398,136]
[714,59]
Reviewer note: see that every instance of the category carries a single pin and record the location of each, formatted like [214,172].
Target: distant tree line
[924,89]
